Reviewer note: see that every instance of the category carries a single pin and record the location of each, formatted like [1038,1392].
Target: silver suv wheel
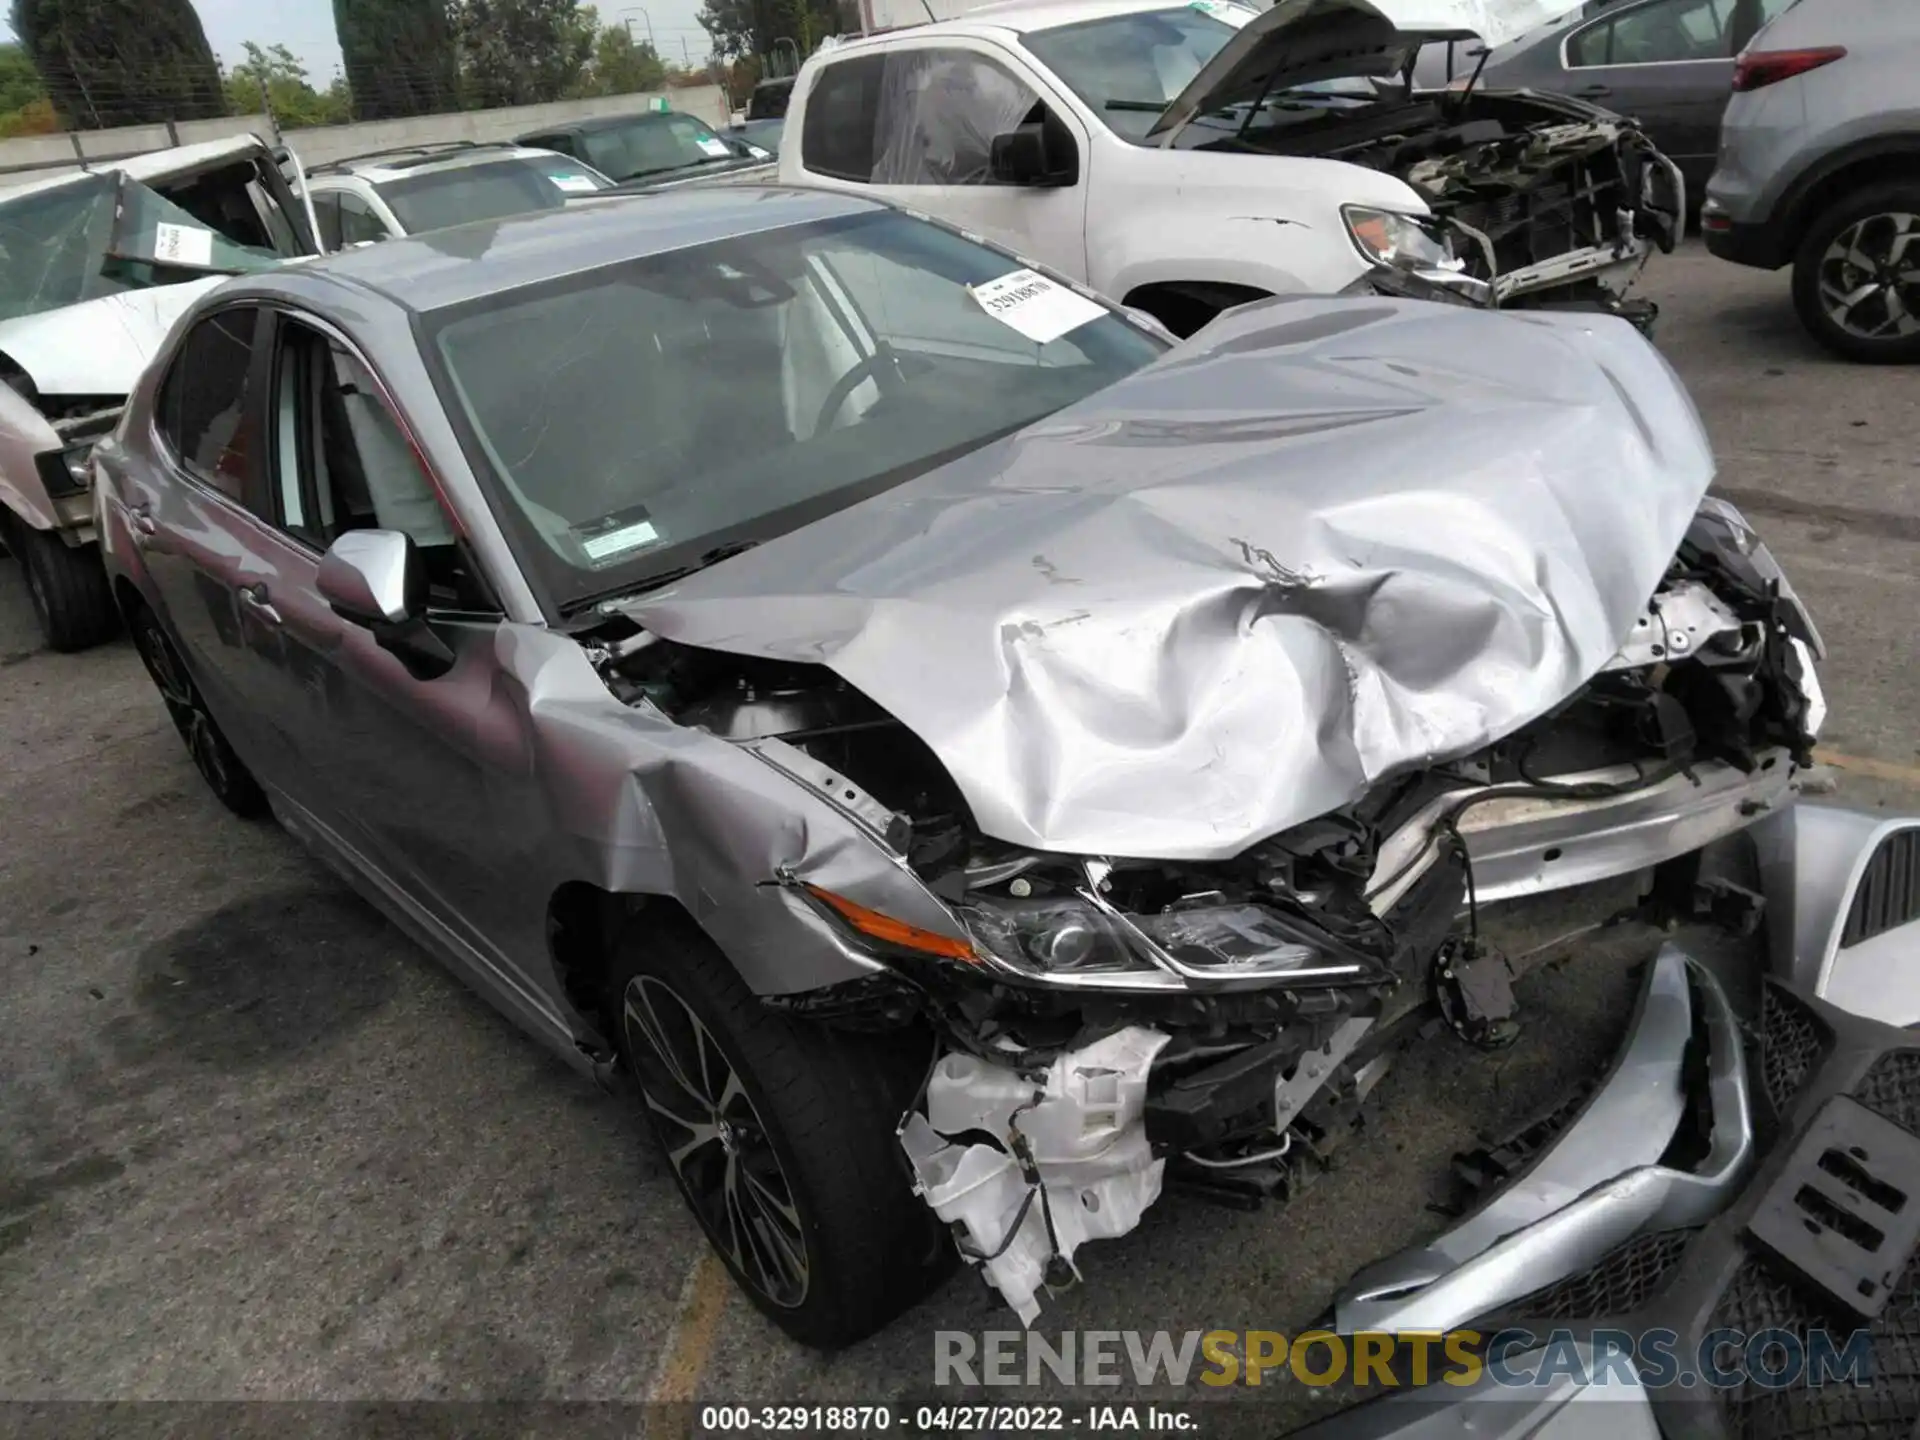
[1870,277]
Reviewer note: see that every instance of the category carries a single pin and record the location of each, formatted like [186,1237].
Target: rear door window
[326,213]
[358,222]
[842,111]
[204,413]
[1663,33]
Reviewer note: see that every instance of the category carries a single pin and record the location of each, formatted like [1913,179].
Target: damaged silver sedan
[887,698]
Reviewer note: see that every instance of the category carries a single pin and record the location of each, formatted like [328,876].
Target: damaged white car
[888,697]
[95,265]
[1187,158]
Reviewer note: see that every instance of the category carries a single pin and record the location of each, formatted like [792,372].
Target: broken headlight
[1406,242]
[1069,936]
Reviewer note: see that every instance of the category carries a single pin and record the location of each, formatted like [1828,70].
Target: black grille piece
[1763,1296]
[1889,893]
[1623,1279]
[1891,1087]
[1791,1040]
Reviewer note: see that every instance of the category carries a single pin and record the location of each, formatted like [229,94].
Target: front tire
[1856,278]
[72,602]
[223,770]
[780,1134]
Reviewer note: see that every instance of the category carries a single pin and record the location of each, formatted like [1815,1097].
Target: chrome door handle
[255,598]
[143,522]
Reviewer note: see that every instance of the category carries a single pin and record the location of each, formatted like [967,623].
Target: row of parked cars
[899,703]
[1307,153]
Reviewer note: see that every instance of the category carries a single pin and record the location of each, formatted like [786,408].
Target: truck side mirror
[1034,154]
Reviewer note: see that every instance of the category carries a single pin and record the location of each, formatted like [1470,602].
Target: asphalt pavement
[255,1145]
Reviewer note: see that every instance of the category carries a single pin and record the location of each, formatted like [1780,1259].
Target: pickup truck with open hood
[1183,158]
[95,266]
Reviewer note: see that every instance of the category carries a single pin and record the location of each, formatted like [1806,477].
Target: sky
[306,28]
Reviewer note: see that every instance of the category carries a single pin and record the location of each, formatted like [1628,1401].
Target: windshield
[631,420]
[53,246]
[653,145]
[488,191]
[101,235]
[1128,68]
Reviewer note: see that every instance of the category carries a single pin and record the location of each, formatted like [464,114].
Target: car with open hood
[95,265]
[1186,158]
[884,695]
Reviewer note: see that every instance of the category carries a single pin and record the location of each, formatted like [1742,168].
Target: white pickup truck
[1182,158]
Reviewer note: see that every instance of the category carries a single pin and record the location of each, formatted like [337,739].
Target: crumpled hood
[1295,36]
[1323,542]
[98,347]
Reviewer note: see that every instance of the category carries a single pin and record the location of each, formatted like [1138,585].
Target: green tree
[273,70]
[20,83]
[399,57]
[521,52]
[121,62]
[760,27]
[24,108]
[621,65]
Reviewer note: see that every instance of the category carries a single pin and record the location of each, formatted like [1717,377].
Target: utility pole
[266,104]
[641,12]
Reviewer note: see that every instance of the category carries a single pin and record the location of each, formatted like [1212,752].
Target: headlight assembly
[1082,940]
[1387,237]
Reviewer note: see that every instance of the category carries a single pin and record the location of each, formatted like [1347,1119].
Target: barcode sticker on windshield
[610,543]
[716,148]
[1032,304]
[182,244]
[573,184]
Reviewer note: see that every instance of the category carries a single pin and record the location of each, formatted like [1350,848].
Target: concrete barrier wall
[48,154]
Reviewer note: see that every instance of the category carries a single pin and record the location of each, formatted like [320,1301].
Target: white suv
[426,187]
[1183,158]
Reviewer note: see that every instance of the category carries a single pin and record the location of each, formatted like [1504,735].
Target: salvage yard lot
[254,1144]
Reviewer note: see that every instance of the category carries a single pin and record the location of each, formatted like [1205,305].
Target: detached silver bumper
[1599,1183]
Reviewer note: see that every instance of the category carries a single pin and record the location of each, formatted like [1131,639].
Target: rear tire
[72,602]
[1853,295]
[223,770]
[780,1134]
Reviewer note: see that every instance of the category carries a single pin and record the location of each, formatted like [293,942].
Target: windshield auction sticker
[614,537]
[1032,304]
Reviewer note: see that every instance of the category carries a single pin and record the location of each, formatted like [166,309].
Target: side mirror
[375,578]
[372,577]
[1025,155]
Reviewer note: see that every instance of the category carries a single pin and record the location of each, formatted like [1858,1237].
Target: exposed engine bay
[1550,200]
[1219,1022]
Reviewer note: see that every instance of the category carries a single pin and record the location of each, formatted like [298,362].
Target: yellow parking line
[1877,769]
[702,1300]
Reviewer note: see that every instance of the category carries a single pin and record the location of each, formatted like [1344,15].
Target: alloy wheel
[1870,277]
[715,1141]
[184,704]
